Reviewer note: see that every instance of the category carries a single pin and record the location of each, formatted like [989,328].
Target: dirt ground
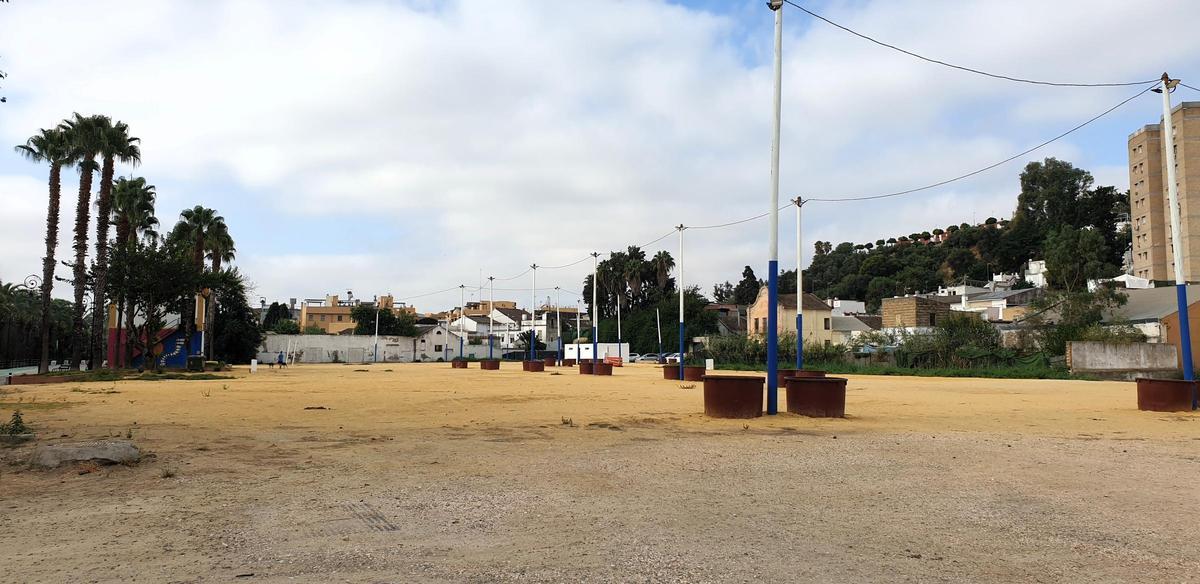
[421,473]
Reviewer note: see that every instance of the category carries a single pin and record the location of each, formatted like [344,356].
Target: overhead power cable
[960,67]
[1188,86]
[990,166]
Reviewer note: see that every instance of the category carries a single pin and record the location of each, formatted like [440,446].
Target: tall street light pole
[375,354]
[1177,237]
[491,313]
[773,252]
[595,310]
[558,322]
[682,347]
[533,316]
[799,289]
[462,317]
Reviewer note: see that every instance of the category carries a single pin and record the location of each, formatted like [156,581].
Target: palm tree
[192,231]
[116,145]
[53,147]
[663,264]
[220,249]
[133,213]
[84,135]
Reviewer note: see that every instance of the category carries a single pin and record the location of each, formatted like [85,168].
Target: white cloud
[494,134]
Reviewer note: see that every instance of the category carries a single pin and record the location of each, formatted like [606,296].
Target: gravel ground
[423,474]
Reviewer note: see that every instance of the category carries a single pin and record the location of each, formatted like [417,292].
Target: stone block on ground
[101,451]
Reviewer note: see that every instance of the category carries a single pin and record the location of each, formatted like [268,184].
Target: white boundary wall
[358,349]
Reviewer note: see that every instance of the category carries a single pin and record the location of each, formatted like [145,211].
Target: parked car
[649,357]
[633,357]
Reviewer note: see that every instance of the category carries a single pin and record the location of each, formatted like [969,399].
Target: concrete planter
[690,372]
[549,361]
[602,369]
[1165,395]
[733,396]
[817,397]
[568,363]
[490,364]
[535,366]
[458,364]
[585,367]
[783,374]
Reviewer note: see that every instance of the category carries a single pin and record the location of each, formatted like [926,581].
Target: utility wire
[856,198]
[1188,86]
[960,67]
[988,167]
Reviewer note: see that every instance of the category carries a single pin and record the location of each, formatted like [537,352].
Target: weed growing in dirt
[687,386]
[568,422]
[15,425]
[206,393]
[166,472]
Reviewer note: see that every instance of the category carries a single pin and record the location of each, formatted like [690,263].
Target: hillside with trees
[1060,217]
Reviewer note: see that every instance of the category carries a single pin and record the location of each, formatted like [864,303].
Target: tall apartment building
[1149,213]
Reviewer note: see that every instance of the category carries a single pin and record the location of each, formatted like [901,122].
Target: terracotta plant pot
[568,362]
[536,366]
[733,396]
[549,361]
[783,374]
[817,397]
[602,369]
[690,372]
[458,364]
[1165,395]
[490,364]
[585,367]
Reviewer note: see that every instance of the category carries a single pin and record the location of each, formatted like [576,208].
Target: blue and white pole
[682,347]
[799,290]
[620,297]
[462,317]
[595,312]
[491,313]
[773,257]
[558,323]
[533,316]
[1185,331]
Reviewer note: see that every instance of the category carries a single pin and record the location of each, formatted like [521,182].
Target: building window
[322,318]
[827,324]
[340,316]
[437,348]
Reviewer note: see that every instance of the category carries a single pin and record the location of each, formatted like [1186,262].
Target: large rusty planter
[568,363]
[817,397]
[550,361]
[783,374]
[585,367]
[458,364]
[490,364]
[536,366]
[602,369]
[525,365]
[1165,395]
[690,372]
[733,396]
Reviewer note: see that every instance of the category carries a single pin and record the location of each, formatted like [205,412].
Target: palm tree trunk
[100,268]
[211,316]
[129,335]
[79,272]
[48,263]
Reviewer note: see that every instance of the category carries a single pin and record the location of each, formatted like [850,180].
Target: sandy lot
[421,473]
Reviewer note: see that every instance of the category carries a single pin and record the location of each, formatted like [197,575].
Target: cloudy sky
[411,146]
